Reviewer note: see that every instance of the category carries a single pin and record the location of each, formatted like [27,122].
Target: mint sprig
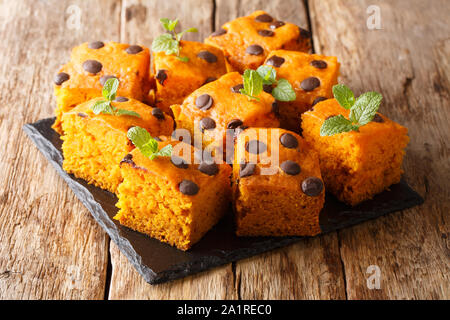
[146,144]
[170,42]
[362,111]
[253,84]
[266,75]
[109,92]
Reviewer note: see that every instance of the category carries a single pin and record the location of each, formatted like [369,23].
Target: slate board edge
[88,200]
[97,212]
[179,270]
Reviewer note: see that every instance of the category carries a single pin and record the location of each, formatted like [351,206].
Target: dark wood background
[51,248]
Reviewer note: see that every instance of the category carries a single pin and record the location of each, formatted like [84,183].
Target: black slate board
[158,262]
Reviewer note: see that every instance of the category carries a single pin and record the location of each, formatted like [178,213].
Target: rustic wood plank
[127,283]
[407,61]
[140,19]
[140,24]
[293,11]
[310,269]
[50,247]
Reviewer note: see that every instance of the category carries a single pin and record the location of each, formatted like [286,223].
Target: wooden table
[50,246]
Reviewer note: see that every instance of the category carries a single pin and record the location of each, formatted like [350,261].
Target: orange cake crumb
[218,106]
[312,76]
[356,165]
[174,201]
[176,79]
[246,41]
[276,198]
[94,145]
[91,64]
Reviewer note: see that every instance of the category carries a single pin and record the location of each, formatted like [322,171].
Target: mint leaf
[110,89]
[165,152]
[268,74]
[365,107]
[124,112]
[344,96]
[170,42]
[166,43]
[139,136]
[146,144]
[181,34]
[184,59]
[362,111]
[335,125]
[284,91]
[253,84]
[143,141]
[168,24]
[102,106]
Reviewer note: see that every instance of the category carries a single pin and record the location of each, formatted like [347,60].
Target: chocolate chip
[92,66]
[255,147]
[233,124]
[266,33]
[309,84]
[264,18]
[267,88]
[179,162]
[105,78]
[304,33]
[312,186]
[207,124]
[204,102]
[246,169]
[239,130]
[237,88]
[218,33]
[121,99]
[209,79]
[133,49]
[319,64]
[276,24]
[211,169]
[290,167]
[128,159]
[157,113]
[254,50]
[96,45]
[188,187]
[82,115]
[161,76]
[275,61]
[378,118]
[275,108]
[289,141]
[317,100]
[60,78]
[207,56]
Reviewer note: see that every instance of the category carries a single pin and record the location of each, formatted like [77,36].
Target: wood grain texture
[140,19]
[140,23]
[50,247]
[127,283]
[293,11]
[407,61]
[310,269]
